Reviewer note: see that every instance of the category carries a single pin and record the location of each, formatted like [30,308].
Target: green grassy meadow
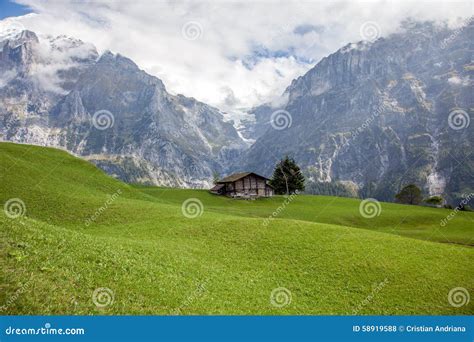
[82,231]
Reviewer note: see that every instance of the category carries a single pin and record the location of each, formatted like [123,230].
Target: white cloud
[54,55]
[246,53]
[6,77]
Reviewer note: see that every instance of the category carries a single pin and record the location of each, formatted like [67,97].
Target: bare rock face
[59,92]
[365,121]
[377,116]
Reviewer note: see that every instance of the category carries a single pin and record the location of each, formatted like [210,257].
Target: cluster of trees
[287,177]
[411,194]
[329,188]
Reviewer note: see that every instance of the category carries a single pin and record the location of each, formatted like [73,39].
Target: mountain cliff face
[365,121]
[59,92]
[373,117]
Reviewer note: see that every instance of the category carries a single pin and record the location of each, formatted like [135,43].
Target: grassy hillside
[82,230]
[406,220]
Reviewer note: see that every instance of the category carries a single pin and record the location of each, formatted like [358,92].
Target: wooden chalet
[243,185]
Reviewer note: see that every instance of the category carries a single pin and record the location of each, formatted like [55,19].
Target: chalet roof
[217,187]
[236,176]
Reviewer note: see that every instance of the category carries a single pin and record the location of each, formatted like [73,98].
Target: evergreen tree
[411,194]
[215,177]
[287,177]
[434,200]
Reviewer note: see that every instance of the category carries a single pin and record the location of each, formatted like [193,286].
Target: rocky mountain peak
[17,51]
[117,59]
[372,117]
[114,114]
[364,121]
[22,37]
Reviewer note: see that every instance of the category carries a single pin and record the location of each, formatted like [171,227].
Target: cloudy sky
[231,54]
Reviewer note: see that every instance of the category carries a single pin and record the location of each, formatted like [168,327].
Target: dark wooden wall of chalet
[249,183]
